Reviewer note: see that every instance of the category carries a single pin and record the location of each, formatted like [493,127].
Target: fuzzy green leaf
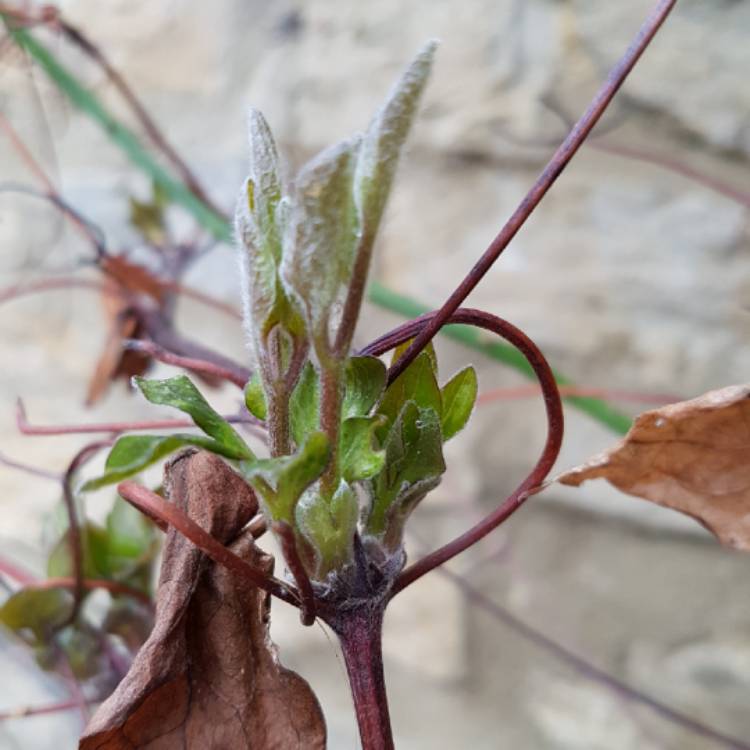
[329,526]
[360,456]
[255,398]
[260,220]
[459,395]
[319,248]
[281,481]
[180,393]
[382,144]
[41,611]
[131,454]
[364,381]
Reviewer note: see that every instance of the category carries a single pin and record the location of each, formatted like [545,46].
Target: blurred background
[632,276]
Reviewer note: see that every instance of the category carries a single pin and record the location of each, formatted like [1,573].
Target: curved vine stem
[74,531]
[560,159]
[156,507]
[536,476]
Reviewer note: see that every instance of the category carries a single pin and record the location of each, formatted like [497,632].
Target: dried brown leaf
[208,677]
[693,456]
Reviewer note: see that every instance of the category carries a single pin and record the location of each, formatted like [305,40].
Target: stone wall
[630,276]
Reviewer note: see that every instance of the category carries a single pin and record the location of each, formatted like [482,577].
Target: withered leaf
[208,677]
[693,456]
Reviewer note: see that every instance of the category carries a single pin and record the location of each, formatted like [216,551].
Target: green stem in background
[218,225]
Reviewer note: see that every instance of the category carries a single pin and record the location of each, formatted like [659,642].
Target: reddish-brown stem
[577,391]
[154,506]
[651,157]
[22,713]
[285,534]
[588,670]
[544,182]
[74,531]
[28,469]
[189,363]
[360,635]
[553,406]
[48,285]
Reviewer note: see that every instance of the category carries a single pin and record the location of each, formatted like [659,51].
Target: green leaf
[413,465]
[329,526]
[131,539]
[281,481]
[304,404]
[131,454]
[360,456]
[41,611]
[82,647]
[459,396]
[94,544]
[382,144]
[255,398]
[364,381]
[180,393]
[319,248]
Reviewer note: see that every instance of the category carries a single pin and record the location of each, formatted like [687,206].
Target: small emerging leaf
[329,526]
[360,456]
[281,481]
[304,404]
[180,393]
[255,398]
[459,395]
[364,381]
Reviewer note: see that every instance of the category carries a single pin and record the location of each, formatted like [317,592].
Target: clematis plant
[353,445]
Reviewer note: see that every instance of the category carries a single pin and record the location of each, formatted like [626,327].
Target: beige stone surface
[630,277]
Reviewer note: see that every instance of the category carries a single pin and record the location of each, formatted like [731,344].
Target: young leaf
[304,404]
[413,466]
[41,611]
[319,248]
[329,526]
[364,380]
[132,454]
[281,481]
[180,393]
[260,226]
[255,397]
[360,456]
[459,395]
[382,144]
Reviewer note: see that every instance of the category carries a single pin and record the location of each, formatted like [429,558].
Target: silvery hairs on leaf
[322,237]
[259,223]
[339,201]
